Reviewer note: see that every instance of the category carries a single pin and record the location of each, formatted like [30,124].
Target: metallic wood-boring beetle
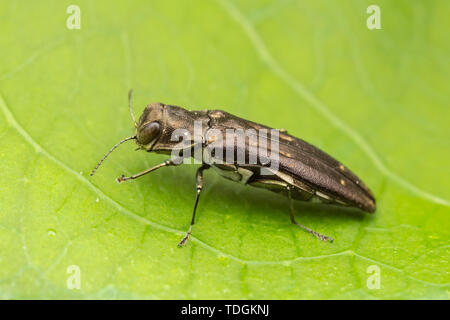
[304,172]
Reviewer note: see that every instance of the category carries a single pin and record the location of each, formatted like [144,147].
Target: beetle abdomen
[304,166]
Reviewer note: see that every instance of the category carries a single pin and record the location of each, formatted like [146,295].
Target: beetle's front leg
[166,163]
[291,212]
[199,178]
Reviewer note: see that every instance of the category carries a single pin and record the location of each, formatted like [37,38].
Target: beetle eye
[148,133]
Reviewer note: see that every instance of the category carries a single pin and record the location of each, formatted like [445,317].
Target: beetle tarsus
[316,234]
[291,213]
[166,163]
[183,241]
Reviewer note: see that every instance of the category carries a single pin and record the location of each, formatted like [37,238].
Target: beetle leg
[199,178]
[166,163]
[291,212]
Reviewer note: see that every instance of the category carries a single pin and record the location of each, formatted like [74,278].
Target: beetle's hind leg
[291,213]
[199,178]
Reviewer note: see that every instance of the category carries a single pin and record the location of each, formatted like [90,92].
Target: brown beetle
[302,171]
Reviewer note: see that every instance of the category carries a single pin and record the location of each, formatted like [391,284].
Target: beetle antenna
[107,154]
[130,93]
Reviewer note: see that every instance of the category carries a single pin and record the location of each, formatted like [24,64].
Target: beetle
[303,172]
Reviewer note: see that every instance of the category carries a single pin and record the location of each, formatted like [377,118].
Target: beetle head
[147,130]
[149,127]
[158,124]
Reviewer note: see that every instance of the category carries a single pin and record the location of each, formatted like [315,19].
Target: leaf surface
[377,100]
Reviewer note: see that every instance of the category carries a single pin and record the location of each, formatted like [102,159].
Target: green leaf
[377,100]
